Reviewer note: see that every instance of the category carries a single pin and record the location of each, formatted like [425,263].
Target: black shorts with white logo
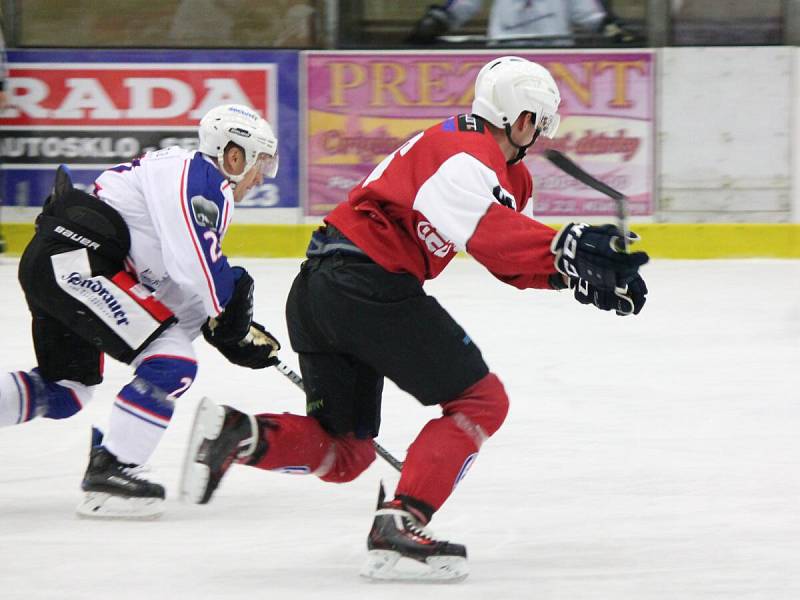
[84,305]
[354,323]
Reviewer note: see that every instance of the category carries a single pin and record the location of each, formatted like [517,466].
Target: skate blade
[387,566]
[100,505]
[208,421]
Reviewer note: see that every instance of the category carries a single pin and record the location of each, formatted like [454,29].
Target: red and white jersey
[177,206]
[447,189]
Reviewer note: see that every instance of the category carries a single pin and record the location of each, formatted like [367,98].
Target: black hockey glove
[435,22]
[257,350]
[618,33]
[594,253]
[625,301]
[233,324]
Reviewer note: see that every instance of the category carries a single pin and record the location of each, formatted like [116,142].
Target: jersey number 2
[214,249]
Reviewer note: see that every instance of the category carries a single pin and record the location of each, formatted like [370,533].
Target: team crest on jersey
[434,242]
[205,212]
[504,198]
[470,123]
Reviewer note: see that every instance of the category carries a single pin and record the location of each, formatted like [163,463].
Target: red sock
[297,444]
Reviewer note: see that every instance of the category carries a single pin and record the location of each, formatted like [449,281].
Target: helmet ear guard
[244,127]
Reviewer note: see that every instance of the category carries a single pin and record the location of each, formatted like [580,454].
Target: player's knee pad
[159,381]
[171,374]
[480,409]
[353,456]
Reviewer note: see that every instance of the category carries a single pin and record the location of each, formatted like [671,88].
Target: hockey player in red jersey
[357,313]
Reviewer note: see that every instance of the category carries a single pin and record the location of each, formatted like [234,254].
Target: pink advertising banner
[360,107]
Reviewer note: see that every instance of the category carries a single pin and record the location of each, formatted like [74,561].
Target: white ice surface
[644,458]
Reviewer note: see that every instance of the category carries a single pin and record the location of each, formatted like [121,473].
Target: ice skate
[220,435]
[400,548]
[113,491]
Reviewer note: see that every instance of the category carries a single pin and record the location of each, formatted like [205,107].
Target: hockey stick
[573,170]
[284,370]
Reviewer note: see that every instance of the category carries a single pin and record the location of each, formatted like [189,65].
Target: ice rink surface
[644,458]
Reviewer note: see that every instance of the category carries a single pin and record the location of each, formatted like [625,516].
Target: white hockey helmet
[508,86]
[244,127]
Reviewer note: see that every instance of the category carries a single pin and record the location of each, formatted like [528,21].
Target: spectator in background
[538,22]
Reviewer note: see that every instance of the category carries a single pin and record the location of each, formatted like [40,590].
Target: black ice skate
[400,548]
[114,491]
[220,436]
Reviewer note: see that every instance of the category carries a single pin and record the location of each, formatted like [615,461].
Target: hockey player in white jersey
[136,271]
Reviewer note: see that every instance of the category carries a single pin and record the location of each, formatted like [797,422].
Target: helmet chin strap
[521,150]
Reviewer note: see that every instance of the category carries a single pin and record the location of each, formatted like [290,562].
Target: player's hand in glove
[234,333]
[435,22]
[625,301]
[258,349]
[596,254]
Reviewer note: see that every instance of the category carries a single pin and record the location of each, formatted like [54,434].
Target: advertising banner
[362,106]
[95,109]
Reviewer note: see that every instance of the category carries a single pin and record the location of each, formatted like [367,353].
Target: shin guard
[144,407]
[446,447]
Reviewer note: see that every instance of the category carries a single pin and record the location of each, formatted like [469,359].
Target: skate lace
[410,523]
[417,528]
[134,471]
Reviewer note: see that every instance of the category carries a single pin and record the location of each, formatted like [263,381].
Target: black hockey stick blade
[570,168]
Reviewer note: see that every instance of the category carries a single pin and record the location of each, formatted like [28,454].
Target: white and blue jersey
[177,205]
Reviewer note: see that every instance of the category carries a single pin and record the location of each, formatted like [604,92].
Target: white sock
[131,437]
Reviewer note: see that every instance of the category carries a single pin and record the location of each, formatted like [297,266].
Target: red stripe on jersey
[75,397]
[193,235]
[139,294]
[224,225]
[26,412]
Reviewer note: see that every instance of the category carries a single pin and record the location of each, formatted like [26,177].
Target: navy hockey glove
[594,253]
[233,324]
[257,350]
[625,301]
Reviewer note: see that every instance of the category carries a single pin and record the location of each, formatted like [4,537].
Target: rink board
[709,240]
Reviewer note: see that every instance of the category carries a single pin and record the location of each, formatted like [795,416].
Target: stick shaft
[620,200]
